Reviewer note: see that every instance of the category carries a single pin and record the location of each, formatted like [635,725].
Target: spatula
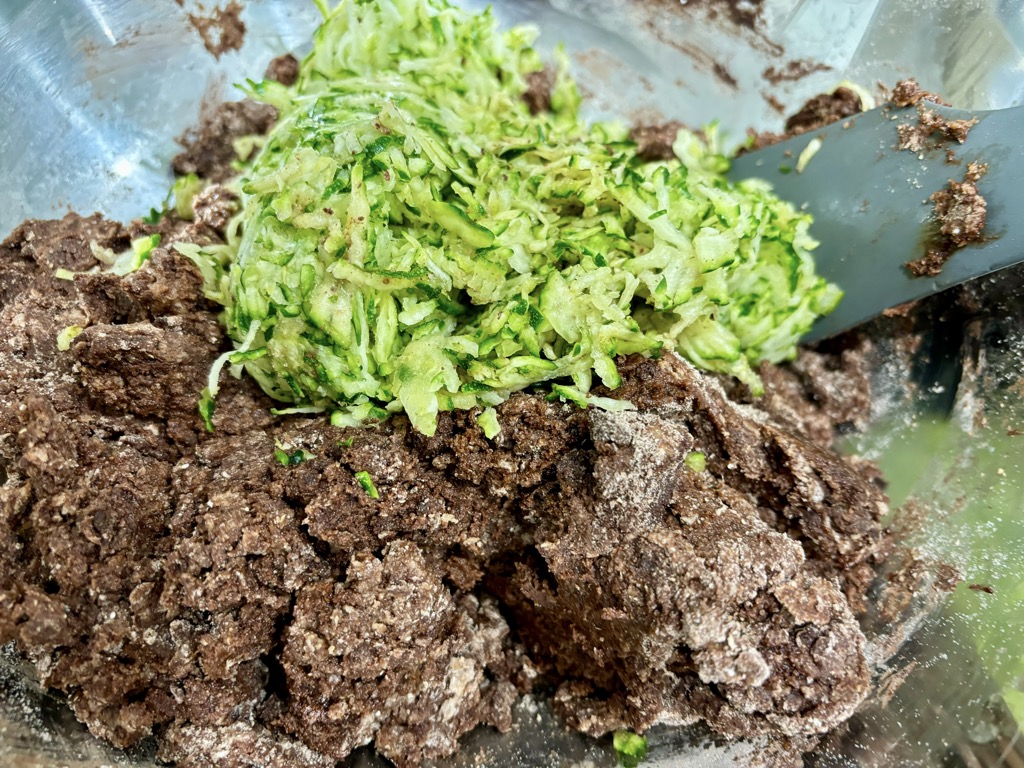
[871,208]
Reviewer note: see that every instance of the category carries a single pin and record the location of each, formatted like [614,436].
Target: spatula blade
[871,208]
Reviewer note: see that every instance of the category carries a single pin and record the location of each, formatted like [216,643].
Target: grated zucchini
[413,239]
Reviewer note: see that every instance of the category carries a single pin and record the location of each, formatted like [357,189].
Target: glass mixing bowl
[95,91]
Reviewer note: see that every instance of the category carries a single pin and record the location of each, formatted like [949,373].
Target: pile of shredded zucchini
[413,239]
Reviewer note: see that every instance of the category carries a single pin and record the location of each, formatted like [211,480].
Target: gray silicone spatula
[871,208]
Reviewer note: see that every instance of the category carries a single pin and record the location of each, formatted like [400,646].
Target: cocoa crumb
[960,213]
[654,142]
[759,140]
[214,207]
[931,129]
[774,103]
[907,93]
[284,69]
[222,30]
[208,149]
[539,85]
[901,310]
[931,263]
[960,209]
[825,109]
[817,112]
[793,70]
[724,75]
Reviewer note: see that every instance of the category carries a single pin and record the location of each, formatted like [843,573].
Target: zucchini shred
[413,239]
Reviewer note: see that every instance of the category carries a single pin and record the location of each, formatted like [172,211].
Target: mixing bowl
[94,93]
